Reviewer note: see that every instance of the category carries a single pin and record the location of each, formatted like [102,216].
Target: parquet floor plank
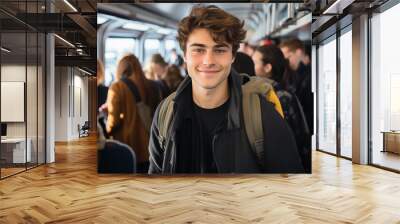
[71,191]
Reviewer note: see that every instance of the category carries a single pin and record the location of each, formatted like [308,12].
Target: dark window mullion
[369,100]
[317,96]
[37,90]
[338,96]
[26,86]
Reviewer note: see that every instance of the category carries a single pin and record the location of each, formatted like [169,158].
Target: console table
[391,141]
[13,150]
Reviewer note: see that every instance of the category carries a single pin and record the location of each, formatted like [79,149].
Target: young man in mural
[206,125]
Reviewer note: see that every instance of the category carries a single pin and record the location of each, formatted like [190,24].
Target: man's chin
[208,86]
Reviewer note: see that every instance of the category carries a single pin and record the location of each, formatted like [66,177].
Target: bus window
[115,49]
[169,45]
[151,46]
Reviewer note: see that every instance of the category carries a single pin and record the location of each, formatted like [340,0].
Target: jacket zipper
[213,148]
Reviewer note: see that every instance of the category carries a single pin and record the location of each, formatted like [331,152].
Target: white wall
[61,103]
[71,94]
[33,127]
[12,73]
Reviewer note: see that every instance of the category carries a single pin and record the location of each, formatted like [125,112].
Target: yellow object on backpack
[273,98]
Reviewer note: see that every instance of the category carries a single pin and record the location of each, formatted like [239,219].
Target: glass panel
[314,84]
[169,45]
[346,94]
[385,84]
[151,46]
[13,85]
[115,49]
[31,98]
[327,97]
[41,99]
[22,83]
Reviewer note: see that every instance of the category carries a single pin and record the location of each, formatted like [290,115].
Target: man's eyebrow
[197,45]
[203,45]
[221,45]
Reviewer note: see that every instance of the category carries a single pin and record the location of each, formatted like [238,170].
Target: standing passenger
[159,68]
[175,58]
[294,51]
[127,121]
[173,78]
[101,88]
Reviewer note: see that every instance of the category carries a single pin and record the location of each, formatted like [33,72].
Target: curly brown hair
[223,26]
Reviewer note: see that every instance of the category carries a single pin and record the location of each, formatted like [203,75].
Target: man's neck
[210,98]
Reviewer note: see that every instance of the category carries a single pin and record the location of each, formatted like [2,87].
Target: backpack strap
[165,117]
[252,90]
[253,124]
[132,87]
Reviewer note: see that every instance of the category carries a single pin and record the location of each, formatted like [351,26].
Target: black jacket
[231,149]
[305,95]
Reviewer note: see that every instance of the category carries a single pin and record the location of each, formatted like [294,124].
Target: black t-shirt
[210,121]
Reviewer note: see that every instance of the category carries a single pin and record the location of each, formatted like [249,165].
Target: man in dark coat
[294,51]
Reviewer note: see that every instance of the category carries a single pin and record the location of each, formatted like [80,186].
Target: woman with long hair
[125,121]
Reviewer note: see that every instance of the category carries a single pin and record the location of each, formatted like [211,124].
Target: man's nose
[209,58]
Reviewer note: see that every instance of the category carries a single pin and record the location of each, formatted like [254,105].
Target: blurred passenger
[149,73]
[127,121]
[307,56]
[175,58]
[295,52]
[159,68]
[242,47]
[250,50]
[270,63]
[102,91]
[178,61]
[244,64]
[101,88]
[173,78]
[246,48]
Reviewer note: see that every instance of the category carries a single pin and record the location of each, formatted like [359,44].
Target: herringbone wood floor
[70,191]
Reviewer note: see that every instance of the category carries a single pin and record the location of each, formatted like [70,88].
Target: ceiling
[177,11]
[73,20]
[328,17]
[169,14]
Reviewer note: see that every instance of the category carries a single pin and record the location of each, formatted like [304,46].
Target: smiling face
[208,63]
